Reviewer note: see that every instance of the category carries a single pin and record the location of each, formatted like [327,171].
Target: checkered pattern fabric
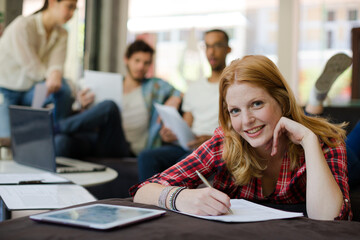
[290,187]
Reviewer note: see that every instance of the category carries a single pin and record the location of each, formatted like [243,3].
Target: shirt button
[346,200]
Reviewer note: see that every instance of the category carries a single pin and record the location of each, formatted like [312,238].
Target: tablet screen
[98,216]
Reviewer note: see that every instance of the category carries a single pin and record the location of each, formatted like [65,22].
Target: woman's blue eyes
[256,104]
[234,111]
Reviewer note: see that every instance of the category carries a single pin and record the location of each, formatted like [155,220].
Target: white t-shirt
[202,100]
[135,120]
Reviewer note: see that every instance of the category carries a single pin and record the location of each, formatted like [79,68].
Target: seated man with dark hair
[103,131]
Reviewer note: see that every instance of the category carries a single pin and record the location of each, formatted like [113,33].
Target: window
[329,39]
[164,36]
[251,25]
[352,15]
[330,16]
[253,29]
[320,37]
[184,35]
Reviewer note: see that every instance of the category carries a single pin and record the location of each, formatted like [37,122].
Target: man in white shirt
[200,107]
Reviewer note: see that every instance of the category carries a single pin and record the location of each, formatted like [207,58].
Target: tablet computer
[98,216]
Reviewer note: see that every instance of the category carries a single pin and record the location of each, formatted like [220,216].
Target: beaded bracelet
[163,196]
[173,198]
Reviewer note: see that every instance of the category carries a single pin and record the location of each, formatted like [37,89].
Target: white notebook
[43,196]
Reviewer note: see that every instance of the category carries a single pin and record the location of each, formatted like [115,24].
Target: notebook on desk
[32,140]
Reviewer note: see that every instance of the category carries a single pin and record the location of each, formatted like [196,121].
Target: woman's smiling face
[253,113]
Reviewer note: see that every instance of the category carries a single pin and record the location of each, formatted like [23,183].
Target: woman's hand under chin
[294,131]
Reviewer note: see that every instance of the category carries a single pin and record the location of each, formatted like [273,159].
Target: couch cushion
[339,114]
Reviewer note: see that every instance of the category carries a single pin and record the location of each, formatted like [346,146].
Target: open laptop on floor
[32,141]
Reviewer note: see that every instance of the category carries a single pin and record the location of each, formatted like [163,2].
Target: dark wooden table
[177,226]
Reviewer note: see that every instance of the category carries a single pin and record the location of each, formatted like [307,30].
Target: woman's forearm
[323,195]
[149,194]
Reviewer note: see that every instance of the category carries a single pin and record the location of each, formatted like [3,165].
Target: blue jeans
[353,155]
[153,161]
[62,101]
[95,132]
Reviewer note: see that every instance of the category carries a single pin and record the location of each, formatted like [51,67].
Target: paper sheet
[15,178]
[43,196]
[40,94]
[245,211]
[105,86]
[172,119]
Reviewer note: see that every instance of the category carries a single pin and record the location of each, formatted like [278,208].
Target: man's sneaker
[336,65]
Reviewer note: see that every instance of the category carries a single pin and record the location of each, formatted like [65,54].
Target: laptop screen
[32,137]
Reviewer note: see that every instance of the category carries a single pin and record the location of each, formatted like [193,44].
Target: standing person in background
[104,131]
[200,109]
[33,50]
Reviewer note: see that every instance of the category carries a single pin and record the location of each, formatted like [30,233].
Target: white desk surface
[86,179]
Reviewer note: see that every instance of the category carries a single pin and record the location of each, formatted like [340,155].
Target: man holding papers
[102,130]
[200,109]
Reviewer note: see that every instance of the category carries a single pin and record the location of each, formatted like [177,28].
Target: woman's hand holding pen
[203,201]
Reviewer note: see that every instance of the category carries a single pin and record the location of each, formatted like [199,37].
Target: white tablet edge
[45,217]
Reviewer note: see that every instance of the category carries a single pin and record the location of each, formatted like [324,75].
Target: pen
[30,182]
[203,179]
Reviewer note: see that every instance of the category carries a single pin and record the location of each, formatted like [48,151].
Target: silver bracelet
[163,196]
[173,198]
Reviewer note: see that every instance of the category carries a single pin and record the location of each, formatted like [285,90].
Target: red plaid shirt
[290,187]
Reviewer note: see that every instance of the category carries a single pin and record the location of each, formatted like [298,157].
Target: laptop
[32,140]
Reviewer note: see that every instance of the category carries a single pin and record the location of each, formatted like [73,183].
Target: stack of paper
[105,86]
[43,196]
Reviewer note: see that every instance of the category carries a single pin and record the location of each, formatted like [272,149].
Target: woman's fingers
[294,131]
[276,134]
[204,201]
[220,202]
